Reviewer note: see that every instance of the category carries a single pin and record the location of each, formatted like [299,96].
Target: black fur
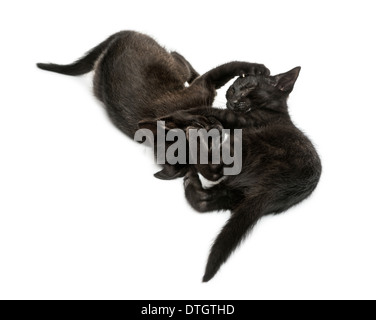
[280,165]
[137,79]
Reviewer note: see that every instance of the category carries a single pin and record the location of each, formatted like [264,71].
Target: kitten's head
[257,91]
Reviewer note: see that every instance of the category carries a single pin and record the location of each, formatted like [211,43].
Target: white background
[81,215]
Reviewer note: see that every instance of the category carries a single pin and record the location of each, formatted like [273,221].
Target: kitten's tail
[81,66]
[241,221]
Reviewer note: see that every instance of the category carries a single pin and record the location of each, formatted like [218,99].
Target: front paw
[207,123]
[211,172]
[171,172]
[166,124]
[184,120]
[255,69]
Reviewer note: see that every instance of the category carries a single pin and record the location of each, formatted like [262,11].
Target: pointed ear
[285,81]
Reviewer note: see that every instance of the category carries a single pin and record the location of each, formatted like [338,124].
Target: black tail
[241,221]
[81,66]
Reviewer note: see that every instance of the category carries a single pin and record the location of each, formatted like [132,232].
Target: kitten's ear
[285,81]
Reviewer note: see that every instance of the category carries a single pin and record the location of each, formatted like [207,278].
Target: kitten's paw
[207,123]
[197,197]
[171,172]
[255,69]
[183,120]
[211,172]
[155,124]
[192,179]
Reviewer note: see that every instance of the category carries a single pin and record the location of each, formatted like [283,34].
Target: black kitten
[280,165]
[137,79]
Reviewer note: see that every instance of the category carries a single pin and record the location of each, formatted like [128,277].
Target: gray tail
[241,221]
[81,66]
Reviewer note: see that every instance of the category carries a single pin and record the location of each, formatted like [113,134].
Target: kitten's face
[254,92]
[249,91]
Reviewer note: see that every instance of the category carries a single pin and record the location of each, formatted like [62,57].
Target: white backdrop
[81,215]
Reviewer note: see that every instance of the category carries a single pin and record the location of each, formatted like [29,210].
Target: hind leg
[190,73]
[206,200]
